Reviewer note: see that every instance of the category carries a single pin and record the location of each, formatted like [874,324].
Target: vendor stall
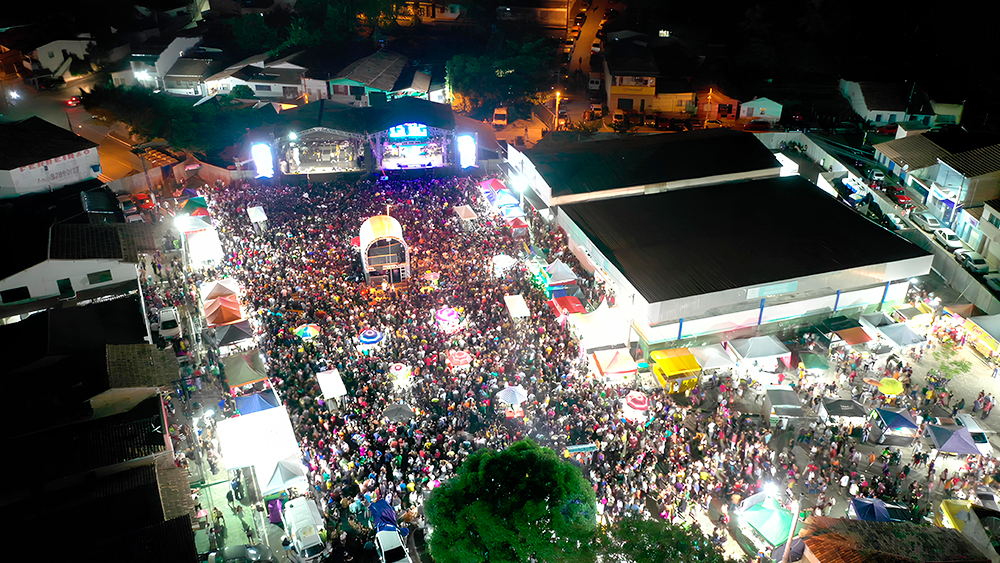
[953,440]
[244,369]
[983,333]
[616,367]
[782,405]
[761,354]
[842,411]
[765,522]
[516,307]
[713,357]
[219,288]
[562,306]
[223,310]
[559,274]
[676,370]
[895,423]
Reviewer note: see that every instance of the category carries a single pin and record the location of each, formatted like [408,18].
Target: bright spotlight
[142,75]
[262,159]
[292,136]
[466,151]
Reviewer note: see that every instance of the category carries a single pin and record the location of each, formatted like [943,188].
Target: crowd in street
[692,449]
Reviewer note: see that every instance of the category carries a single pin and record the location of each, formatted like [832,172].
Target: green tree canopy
[514,75]
[635,540]
[207,127]
[520,504]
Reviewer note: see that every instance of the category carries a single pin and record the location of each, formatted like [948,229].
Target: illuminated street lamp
[558,94]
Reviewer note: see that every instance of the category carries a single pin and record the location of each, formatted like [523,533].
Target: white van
[500,118]
[304,524]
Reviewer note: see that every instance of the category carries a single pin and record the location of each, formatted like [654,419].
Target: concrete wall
[41,279]
[50,56]
[50,174]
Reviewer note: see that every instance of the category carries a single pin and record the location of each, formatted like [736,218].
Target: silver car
[974,262]
[925,221]
[948,239]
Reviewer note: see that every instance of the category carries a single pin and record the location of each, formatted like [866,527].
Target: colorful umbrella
[399,370]
[447,315]
[512,395]
[874,382]
[307,331]
[370,337]
[459,358]
[194,203]
[431,276]
[890,386]
[398,412]
[637,401]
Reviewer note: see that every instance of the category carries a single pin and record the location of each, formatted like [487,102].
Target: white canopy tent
[560,274]
[603,327]
[900,335]
[256,214]
[331,384]
[205,247]
[516,306]
[219,288]
[287,473]
[713,356]
[759,348]
[260,440]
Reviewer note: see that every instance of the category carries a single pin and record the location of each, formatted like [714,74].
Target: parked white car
[972,261]
[925,221]
[948,239]
[170,323]
[390,547]
[977,433]
[992,281]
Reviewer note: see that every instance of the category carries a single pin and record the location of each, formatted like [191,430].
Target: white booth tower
[383,251]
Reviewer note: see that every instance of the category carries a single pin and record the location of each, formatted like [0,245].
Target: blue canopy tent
[256,402]
[384,517]
[958,441]
[870,509]
[897,420]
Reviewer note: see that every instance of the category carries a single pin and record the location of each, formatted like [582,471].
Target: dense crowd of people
[693,449]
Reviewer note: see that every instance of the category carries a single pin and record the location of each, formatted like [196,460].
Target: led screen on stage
[408,130]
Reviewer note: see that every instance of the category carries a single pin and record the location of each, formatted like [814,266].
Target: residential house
[550,14]
[276,80]
[43,51]
[187,76]
[102,404]
[649,74]
[151,61]
[989,226]
[377,78]
[433,12]
[764,109]
[882,103]
[954,170]
[715,105]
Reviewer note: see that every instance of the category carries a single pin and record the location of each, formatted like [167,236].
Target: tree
[515,75]
[949,366]
[623,128]
[520,504]
[635,540]
[586,128]
[242,92]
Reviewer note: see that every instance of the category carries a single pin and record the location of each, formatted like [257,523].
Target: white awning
[331,384]
[259,439]
[256,214]
[517,307]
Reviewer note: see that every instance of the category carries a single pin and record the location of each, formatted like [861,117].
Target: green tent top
[194,203]
[770,520]
[813,361]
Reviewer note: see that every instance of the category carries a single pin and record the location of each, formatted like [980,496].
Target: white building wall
[52,173]
[50,56]
[41,279]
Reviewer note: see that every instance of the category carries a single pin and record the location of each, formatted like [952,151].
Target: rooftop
[694,241]
[591,166]
[379,71]
[971,154]
[349,119]
[889,96]
[840,540]
[189,68]
[87,242]
[33,140]
[140,365]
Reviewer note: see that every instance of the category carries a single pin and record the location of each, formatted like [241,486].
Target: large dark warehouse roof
[583,167]
[690,242]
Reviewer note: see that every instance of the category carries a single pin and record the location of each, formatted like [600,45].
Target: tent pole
[837,302]
[760,318]
[884,293]
[680,329]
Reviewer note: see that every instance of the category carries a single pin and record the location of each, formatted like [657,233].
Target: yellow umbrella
[890,386]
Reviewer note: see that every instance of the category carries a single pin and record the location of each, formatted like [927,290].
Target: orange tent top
[223,310]
[517,223]
[852,336]
[615,362]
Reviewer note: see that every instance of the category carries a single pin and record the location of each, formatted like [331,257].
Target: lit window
[262,87]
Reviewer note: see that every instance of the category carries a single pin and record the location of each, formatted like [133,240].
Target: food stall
[842,411]
[983,333]
[782,405]
[765,522]
[676,370]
